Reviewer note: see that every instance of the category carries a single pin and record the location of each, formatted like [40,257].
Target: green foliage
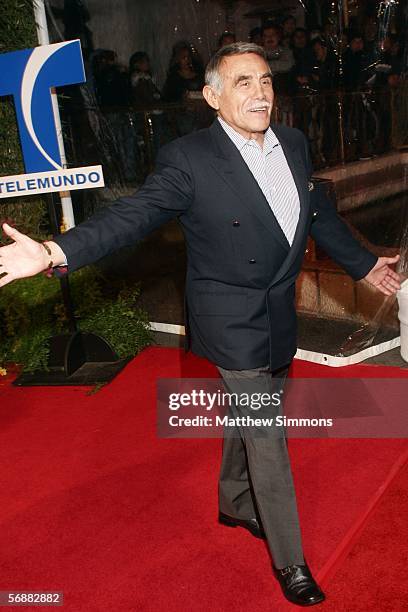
[17,31]
[28,217]
[11,161]
[17,25]
[126,329]
[31,311]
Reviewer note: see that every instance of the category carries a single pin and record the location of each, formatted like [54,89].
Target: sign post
[68,218]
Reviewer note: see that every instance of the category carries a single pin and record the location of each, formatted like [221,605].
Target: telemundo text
[54,180]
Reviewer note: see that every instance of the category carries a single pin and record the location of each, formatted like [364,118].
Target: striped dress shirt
[271,171]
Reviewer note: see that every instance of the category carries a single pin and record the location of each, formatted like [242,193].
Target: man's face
[356,44]
[246,98]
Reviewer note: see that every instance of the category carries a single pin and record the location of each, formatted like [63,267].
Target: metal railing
[346,126]
[340,126]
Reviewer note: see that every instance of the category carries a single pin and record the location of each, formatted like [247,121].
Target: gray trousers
[256,478]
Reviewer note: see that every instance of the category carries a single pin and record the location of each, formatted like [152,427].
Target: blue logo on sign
[28,76]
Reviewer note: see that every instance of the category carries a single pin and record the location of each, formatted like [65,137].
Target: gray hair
[212,72]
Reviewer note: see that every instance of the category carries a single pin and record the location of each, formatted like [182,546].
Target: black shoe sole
[230,522]
[311,603]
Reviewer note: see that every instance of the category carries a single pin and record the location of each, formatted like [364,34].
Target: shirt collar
[270,139]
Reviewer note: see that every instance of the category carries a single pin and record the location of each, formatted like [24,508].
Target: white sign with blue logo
[28,76]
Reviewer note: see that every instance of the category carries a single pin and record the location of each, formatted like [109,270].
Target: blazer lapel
[230,165]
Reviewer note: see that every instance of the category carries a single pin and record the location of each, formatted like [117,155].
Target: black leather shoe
[251,525]
[299,586]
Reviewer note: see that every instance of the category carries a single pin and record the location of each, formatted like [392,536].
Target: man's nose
[261,91]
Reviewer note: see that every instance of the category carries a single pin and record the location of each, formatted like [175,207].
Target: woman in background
[184,83]
[185,73]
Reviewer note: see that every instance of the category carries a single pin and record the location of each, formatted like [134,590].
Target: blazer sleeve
[332,233]
[166,194]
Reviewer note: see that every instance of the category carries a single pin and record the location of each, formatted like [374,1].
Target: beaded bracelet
[47,248]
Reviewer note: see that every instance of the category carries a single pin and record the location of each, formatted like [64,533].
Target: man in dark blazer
[243,195]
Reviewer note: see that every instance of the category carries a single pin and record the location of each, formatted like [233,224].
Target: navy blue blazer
[241,271]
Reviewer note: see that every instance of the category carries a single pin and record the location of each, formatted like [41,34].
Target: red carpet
[376,565]
[95,505]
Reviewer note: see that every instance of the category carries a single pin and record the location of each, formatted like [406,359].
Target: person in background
[354,63]
[359,113]
[143,90]
[110,79]
[304,58]
[395,54]
[144,96]
[226,38]
[299,43]
[324,80]
[288,28]
[387,78]
[301,85]
[280,59]
[390,59]
[370,30]
[324,73]
[111,83]
[185,75]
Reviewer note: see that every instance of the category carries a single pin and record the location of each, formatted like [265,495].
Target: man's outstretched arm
[166,194]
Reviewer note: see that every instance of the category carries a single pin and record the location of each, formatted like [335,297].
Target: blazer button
[252,260]
[236,223]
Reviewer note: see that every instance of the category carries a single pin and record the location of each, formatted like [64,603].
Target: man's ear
[211,97]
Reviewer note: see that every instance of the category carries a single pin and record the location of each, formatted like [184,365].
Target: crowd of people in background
[318,60]
[308,66]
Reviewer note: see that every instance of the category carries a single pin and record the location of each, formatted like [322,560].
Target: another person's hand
[25,257]
[384,278]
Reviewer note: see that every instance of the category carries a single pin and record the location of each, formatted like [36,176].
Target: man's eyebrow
[242,77]
[248,77]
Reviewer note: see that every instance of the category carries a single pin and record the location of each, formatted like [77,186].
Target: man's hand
[25,257]
[383,278]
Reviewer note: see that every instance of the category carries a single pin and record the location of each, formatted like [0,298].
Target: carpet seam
[326,573]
